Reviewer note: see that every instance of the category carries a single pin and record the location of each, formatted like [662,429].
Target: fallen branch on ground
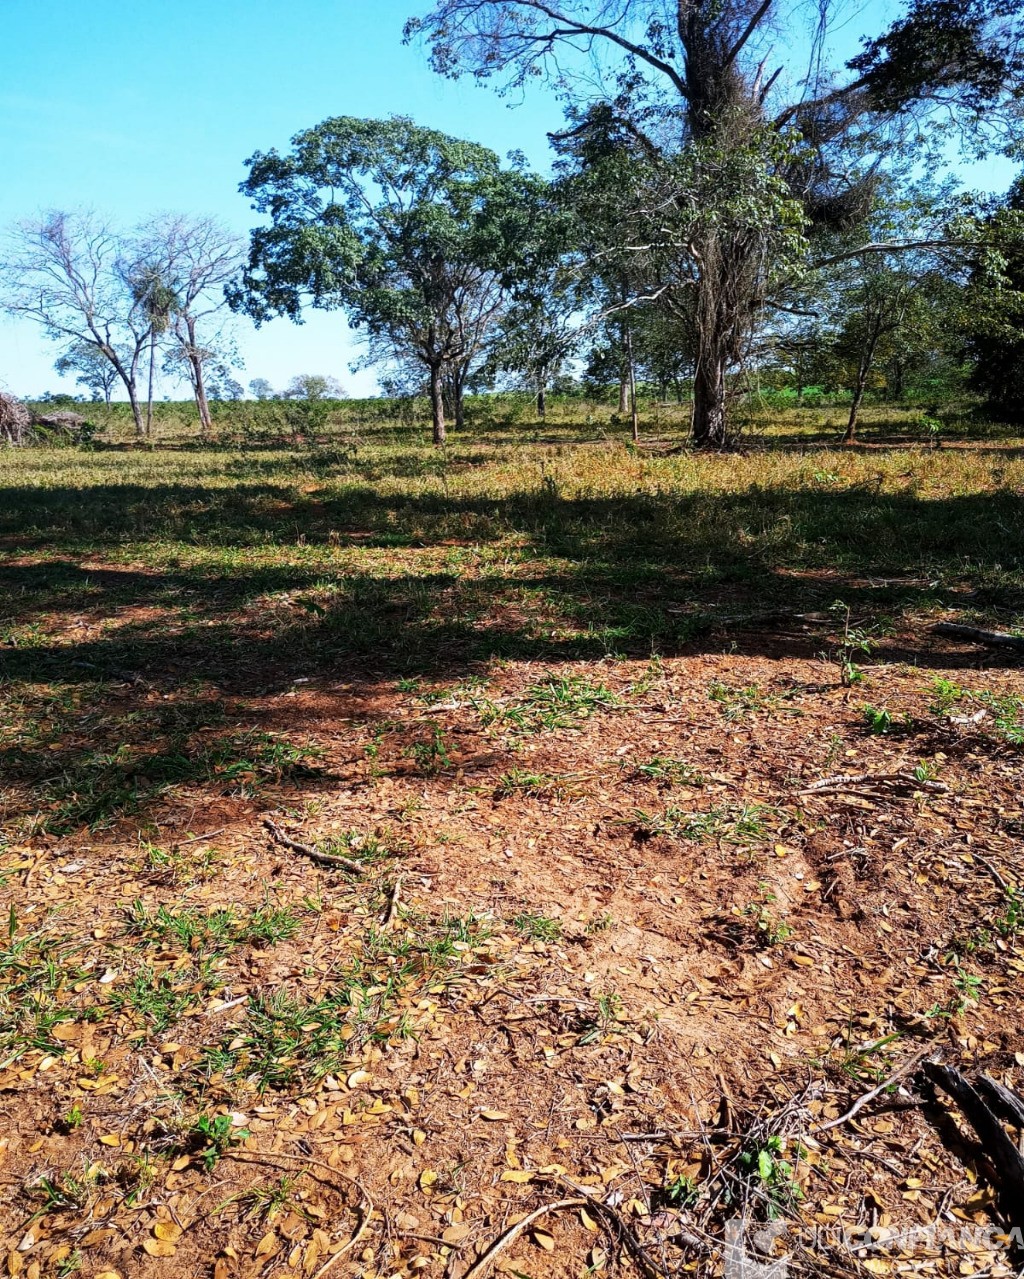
[484,1262]
[307,850]
[990,639]
[888,781]
[907,1068]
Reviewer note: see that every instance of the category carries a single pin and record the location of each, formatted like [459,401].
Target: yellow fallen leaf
[805,961]
[110,1139]
[518,1175]
[159,1247]
[456,1233]
[493,1114]
[358,1077]
[545,1240]
[168,1230]
[267,1244]
[428,1178]
[588,1221]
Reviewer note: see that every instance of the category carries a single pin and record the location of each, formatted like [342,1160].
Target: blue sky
[138,108]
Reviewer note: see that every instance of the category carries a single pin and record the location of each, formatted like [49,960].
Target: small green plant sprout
[878,720]
[680,1192]
[432,756]
[855,642]
[946,694]
[210,1136]
[764,1164]
[605,1017]
[74,1118]
[769,929]
[1012,919]
[925,771]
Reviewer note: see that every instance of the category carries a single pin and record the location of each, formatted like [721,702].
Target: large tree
[406,229]
[714,69]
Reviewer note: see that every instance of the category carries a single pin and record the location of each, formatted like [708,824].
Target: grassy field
[563,916]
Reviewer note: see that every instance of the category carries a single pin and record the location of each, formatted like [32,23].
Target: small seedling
[879,721]
[764,1165]
[210,1136]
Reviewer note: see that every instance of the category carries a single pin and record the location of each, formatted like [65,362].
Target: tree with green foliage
[993,312]
[261,389]
[314,386]
[703,82]
[91,367]
[409,231]
[883,303]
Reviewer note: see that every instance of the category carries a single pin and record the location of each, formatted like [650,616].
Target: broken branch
[307,850]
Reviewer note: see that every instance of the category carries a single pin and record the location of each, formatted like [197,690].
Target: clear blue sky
[138,108]
[135,108]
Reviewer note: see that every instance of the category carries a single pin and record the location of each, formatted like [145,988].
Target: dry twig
[484,1262]
[307,850]
[907,1068]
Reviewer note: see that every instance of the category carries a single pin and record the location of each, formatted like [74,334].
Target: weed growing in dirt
[211,1136]
[433,755]
[562,702]
[670,772]
[160,998]
[734,823]
[771,1175]
[538,927]
[769,929]
[521,781]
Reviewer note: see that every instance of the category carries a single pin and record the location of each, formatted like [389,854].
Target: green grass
[734,823]
[149,595]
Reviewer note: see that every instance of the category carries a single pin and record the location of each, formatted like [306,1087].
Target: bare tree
[195,259]
[69,273]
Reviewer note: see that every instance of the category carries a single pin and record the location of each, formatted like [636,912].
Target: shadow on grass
[454,583]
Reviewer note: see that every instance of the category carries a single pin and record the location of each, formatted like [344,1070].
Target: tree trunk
[541,401]
[863,369]
[623,393]
[149,397]
[133,400]
[437,404]
[460,406]
[709,422]
[858,396]
[634,419]
[199,391]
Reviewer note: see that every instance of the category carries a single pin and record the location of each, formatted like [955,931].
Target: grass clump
[734,823]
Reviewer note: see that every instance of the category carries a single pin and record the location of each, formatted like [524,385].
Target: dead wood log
[1004,1101]
[1007,1161]
[990,639]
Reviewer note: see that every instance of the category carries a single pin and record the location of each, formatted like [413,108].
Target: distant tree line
[729,208]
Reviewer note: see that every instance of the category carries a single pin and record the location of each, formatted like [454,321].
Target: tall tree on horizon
[712,68]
